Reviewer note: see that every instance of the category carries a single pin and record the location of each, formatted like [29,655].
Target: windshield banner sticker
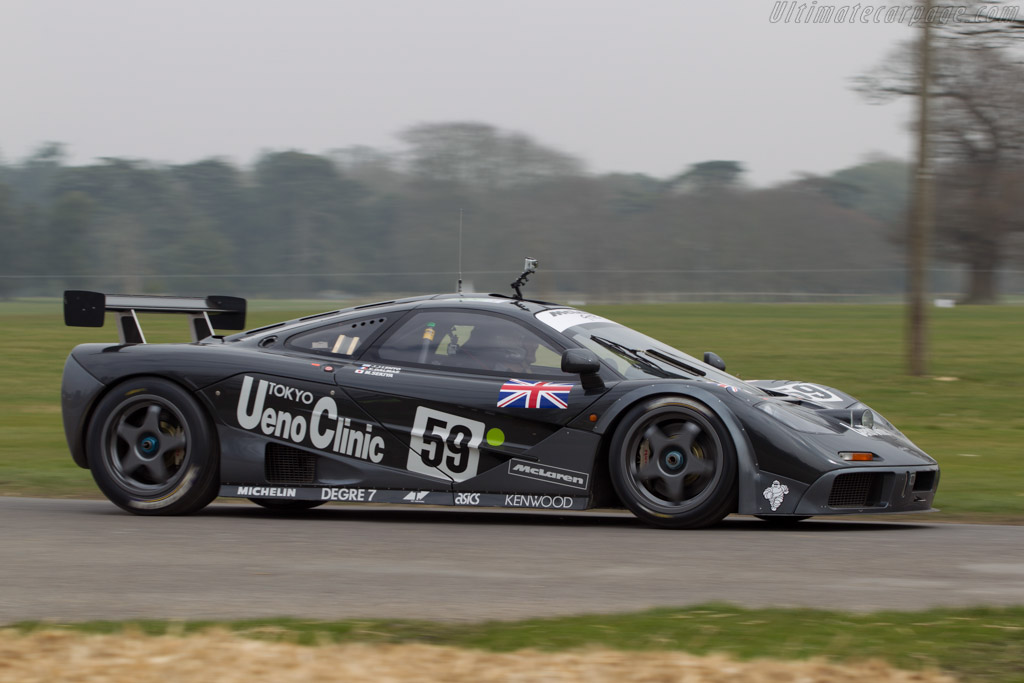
[563,318]
[517,393]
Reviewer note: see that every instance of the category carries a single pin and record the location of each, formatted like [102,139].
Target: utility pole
[922,214]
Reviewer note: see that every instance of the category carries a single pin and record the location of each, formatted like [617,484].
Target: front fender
[746,458]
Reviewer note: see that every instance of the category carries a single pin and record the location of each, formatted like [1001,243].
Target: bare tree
[922,216]
[994,19]
[977,140]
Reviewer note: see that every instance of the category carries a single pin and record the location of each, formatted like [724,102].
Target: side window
[347,339]
[471,341]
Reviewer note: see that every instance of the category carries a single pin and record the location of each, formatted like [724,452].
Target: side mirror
[585,364]
[580,362]
[714,360]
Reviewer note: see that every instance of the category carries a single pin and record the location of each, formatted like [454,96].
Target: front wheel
[152,450]
[673,464]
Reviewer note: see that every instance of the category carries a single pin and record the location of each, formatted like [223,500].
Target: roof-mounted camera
[529,267]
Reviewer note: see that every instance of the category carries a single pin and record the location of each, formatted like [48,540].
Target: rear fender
[79,392]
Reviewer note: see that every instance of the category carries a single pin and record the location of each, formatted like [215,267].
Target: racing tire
[673,464]
[287,505]
[152,449]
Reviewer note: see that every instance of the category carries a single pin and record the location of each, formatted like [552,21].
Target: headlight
[855,417]
[874,424]
[795,417]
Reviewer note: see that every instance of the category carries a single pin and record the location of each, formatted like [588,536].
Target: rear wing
[87,309]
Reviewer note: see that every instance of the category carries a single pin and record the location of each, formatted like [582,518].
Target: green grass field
[983,644]
[968,414]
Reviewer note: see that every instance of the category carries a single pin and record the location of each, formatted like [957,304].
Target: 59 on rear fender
[152,450]
[673,464]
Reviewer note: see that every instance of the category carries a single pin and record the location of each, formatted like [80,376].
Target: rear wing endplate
[87,309]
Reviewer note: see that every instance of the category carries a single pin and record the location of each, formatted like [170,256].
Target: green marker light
[495,437]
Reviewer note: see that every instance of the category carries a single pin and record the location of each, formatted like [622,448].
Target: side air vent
[288,465]
[925,481]
[856,490]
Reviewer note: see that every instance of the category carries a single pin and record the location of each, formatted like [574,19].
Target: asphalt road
[78,560]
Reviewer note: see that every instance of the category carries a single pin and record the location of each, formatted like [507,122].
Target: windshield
[633,354]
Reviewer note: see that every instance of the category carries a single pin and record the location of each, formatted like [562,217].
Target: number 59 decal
[809,392]
[445,443]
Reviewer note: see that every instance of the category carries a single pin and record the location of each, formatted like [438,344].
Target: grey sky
[645,86]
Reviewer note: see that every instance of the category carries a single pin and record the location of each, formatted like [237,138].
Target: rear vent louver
[856,490]
[288,465]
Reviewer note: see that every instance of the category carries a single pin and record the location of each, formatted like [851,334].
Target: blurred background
[660,151]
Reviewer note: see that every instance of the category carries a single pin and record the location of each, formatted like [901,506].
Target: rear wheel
[287,505]
[673,464]
[152,450]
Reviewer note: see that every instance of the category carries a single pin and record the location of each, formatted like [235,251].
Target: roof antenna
[458,287]
[529,267]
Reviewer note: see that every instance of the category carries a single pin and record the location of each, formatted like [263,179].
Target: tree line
[363,221]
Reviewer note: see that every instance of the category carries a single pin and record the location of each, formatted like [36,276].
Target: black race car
[464,400]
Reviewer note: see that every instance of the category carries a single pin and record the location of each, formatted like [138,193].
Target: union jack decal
[517,393]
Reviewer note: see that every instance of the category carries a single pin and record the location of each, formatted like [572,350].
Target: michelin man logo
[775,493]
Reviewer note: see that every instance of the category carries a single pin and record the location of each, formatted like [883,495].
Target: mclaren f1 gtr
[463,400]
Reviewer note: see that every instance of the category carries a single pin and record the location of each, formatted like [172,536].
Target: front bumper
[859,490]
[848,491]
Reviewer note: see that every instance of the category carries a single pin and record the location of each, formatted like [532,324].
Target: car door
[472,392]
[363,449]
